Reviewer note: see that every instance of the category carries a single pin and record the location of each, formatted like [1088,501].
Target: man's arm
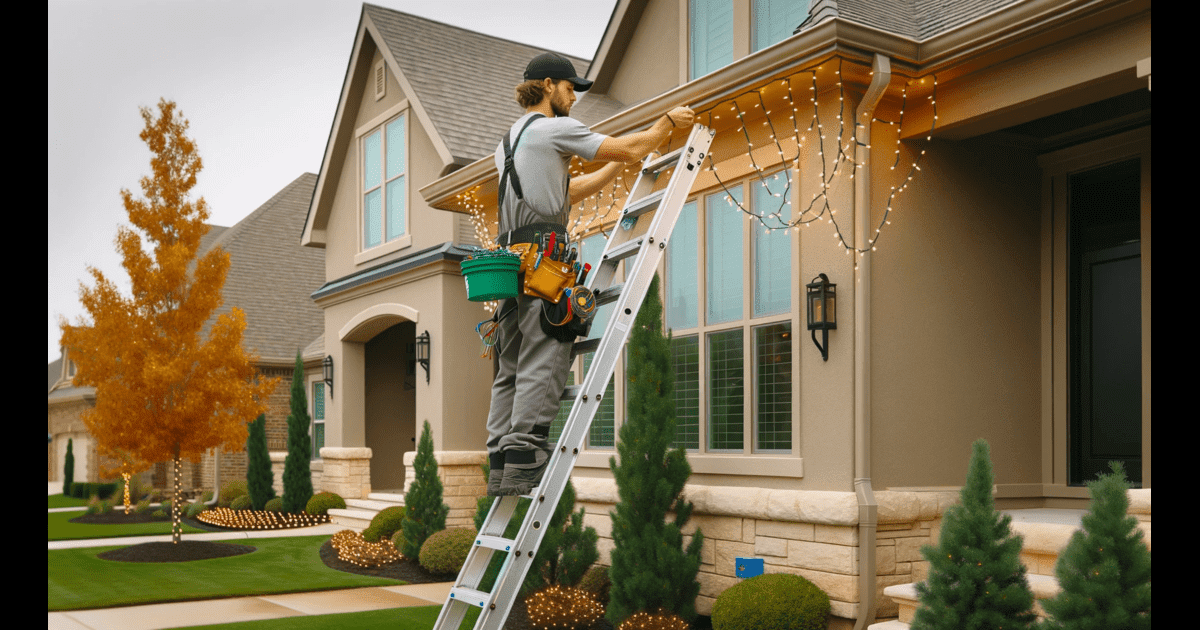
[586,185]
[636,146]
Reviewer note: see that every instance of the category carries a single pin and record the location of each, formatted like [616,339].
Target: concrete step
[1043,587]
[358,512]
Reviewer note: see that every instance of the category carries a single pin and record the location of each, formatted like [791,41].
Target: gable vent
[380,80]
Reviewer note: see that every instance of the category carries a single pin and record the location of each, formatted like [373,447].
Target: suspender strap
[510,167]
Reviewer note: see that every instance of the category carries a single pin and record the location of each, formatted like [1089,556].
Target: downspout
[216,479]
[867,507]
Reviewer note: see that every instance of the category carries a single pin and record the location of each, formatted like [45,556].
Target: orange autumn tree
[164,389]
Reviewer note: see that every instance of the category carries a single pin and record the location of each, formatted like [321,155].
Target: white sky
[259,82]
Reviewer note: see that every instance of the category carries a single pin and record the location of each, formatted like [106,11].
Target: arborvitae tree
[69,468]
[650,568]
[424,513]
[1105,570]
[976,579]
[260,480]
[297,475]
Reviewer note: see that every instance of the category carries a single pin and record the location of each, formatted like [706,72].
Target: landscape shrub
[773,601]
[426,513]
[143,506]
[241,503]
[84,490]
[562,607]
[274,505]
[321,502]
[232,490]
[398,540]
[387,522]
[160,513]
[93,506]
[596,582]
[446,551]
[195,509]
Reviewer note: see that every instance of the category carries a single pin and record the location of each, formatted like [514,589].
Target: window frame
[379,124]
[312,382]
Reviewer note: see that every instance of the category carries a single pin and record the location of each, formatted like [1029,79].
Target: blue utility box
[748,567]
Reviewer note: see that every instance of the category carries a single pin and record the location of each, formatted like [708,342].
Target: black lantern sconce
[422,347]
[327,373]
[822,311]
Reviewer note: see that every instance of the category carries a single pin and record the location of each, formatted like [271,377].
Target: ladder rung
[494,542]
[469,596]
[663,162]
[645,204]
[570,392]
[624,250]
[610,294]
[584,347]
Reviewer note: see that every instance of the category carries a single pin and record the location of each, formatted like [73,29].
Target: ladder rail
[589,396]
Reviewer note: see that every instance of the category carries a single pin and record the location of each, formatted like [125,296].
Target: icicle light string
[819,206]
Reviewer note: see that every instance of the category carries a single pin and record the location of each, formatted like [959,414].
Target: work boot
[521,479]
[495,474]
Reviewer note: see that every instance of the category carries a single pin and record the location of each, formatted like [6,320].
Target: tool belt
[567,309]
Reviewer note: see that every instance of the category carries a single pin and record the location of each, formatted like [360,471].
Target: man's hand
[681,117]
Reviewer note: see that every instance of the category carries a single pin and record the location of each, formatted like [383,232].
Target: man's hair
[530,93]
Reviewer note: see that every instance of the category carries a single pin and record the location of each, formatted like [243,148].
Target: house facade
[270,279]
[975,180]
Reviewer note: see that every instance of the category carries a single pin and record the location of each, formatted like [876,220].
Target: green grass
[77,579]
[415,618]
[60,527]
[60,501]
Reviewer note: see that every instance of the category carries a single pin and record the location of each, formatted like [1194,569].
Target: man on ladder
[533,358]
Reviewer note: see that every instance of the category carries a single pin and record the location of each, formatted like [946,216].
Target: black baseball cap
[555,66]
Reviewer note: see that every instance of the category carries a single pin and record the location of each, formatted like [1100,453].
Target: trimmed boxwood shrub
[274,505]
[446,551]
[241,503]
[231,491]
[385,523]
[322,502]
[398,539]
[82,490]
[774,601]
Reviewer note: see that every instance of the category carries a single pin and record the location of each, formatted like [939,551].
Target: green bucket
[491,278]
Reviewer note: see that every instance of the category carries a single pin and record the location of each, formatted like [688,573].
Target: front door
[1105,322]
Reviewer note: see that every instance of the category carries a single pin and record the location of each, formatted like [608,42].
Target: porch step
[359,512]
[1043,587]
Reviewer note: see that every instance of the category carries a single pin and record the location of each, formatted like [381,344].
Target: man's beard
[560,108]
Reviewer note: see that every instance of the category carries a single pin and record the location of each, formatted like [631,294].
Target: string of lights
[258,519]
[595,210]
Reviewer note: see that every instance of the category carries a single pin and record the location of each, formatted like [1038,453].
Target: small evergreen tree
[425,513]
[297,476]
[259,478]
[69,468]
[650,568]
[1105,570]
[976,579]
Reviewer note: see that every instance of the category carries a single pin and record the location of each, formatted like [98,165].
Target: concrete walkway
[210,611]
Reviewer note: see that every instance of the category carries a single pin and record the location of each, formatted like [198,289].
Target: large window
[774,20]
[710,26]
[384,179]
[727,284]
[318,418]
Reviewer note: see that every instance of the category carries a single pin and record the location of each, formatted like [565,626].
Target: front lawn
[61,501]
[77,579]
[60,527]
[416,618]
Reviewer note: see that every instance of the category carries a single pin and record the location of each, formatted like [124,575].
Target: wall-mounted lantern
[423,353]
[327,373]
[822,311]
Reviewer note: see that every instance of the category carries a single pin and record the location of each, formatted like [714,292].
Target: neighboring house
[270,278]
[1008,297]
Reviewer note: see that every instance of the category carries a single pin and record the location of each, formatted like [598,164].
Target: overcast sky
[259,82]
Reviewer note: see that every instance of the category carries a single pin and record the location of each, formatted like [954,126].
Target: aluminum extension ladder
[646,246]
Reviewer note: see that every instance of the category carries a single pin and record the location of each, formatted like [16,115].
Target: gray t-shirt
[541,160]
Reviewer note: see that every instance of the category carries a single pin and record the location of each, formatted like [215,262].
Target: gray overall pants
[526,391]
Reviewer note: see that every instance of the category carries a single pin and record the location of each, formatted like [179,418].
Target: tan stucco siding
[955,317]
[650,64]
